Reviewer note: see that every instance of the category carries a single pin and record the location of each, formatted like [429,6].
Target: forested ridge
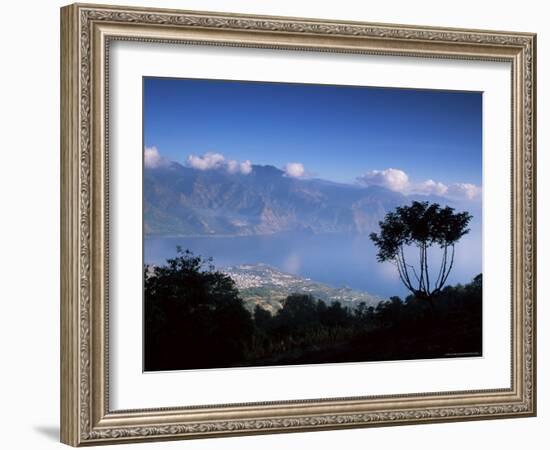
[194,318]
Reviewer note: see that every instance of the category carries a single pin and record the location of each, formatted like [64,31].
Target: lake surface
[334,259]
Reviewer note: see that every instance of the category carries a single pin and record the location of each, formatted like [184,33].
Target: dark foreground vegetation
[195,319]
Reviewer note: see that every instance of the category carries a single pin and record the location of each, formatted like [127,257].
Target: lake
[334,259]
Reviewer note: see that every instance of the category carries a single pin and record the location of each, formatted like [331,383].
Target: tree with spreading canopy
[194,316]
[423,225]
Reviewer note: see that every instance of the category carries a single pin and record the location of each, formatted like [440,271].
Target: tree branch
[414,271]
[450,266]
[440,274]
[444,269]
[404,263]
[405,271]
[404,280]
[426,266]
[422,285]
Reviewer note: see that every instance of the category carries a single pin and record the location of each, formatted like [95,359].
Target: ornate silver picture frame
[87,33]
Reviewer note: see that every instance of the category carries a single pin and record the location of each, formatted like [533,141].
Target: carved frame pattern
[86,418]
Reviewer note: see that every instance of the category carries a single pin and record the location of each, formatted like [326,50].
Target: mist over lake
[336,259]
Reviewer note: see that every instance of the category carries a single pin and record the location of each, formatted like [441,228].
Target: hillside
[260,284]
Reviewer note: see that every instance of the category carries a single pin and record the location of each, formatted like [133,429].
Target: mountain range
[183,201]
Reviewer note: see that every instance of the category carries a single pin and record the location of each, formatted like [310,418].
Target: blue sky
[337,133]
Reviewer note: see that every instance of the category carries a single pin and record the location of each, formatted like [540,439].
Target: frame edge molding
[78,308]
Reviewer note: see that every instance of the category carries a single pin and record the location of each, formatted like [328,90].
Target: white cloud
[205,162]
[393,179]
[152,159]
[294,170]
[464,190]
[211,160]
[232,166]
[245,167]
[430,187]
[398,181]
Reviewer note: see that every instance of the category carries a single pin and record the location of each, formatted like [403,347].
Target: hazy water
[334,259]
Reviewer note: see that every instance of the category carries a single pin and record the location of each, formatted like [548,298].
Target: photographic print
[288,223]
